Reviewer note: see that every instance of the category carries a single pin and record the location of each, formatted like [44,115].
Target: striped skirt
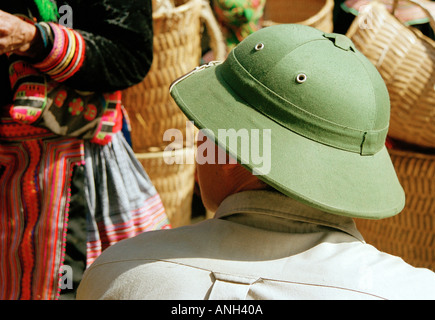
[36,171]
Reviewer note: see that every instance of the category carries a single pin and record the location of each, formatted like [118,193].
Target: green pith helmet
[327,109]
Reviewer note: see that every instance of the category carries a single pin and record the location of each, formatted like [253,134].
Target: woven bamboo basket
[406,60]
[410,234]
[177,50]
[313,13]
[174,182]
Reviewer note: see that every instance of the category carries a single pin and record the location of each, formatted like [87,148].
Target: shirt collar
[276,206]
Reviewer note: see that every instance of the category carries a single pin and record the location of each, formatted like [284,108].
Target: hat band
[294,118]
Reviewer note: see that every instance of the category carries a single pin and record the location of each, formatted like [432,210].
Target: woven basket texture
[410,234]
[177,50]
[406,60]
[313,13]
[174,182]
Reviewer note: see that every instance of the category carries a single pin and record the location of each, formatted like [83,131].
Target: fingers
[16,35]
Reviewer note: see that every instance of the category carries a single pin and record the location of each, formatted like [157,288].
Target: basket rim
[160,154]
[329,4]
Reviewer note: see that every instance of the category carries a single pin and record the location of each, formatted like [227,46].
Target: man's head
[220,179]
[315,105]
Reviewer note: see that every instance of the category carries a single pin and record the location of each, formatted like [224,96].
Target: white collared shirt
[260,245]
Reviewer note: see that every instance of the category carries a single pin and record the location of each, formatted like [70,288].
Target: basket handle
[422,6]
[217,43]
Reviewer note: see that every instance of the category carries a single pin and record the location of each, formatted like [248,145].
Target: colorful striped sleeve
[67,54]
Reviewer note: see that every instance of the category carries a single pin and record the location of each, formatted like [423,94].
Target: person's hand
[17,36]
